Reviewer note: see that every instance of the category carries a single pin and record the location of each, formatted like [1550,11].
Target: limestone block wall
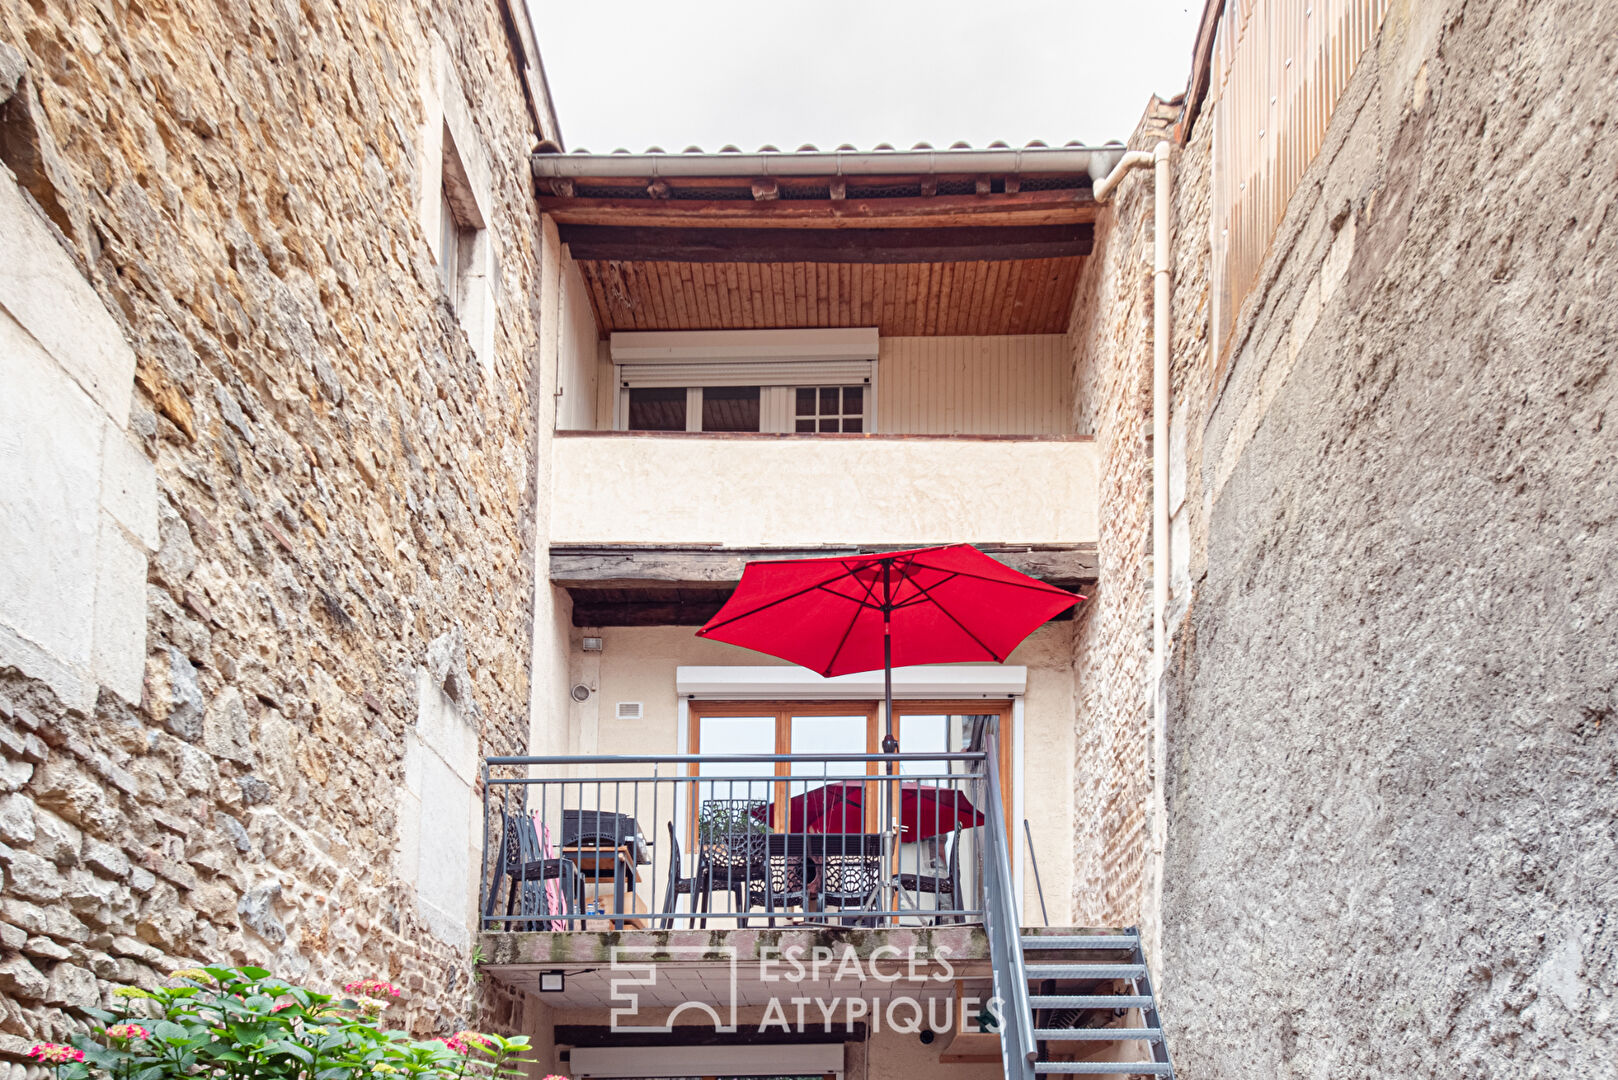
[1392,748]
[334,583]
[1110,335]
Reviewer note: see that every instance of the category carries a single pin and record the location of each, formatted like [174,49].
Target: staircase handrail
[1004,928]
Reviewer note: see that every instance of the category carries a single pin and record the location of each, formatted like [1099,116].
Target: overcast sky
[637,73]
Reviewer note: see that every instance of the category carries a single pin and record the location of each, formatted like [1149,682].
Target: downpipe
[1162,282]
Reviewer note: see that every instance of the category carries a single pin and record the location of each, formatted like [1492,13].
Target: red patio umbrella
[863,612]
[925,810]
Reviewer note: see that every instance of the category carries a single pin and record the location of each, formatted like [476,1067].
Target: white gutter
[1161,332]
[1027,161]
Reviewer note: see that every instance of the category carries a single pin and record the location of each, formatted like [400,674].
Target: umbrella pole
[890,745]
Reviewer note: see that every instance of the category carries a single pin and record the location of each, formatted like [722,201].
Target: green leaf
[255,973]
[299,1052]
[169,1031]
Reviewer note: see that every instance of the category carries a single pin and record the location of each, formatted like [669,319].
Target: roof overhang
[994,236]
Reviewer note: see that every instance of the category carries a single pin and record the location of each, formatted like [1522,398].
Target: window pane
[828,401]
[730,408]
[853,423]
[920,735]
[806,401]
[827,735]
[829,425]
[853,401]
[733,735]
[659,409]
[806,424]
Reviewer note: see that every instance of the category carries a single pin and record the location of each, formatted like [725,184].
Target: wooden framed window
[924,727]
[754,727]
[834,727]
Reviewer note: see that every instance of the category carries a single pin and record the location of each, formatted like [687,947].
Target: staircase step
[1090,941]
[1089,1001]
[1086,971]
[1105,1068]
[1097,1034]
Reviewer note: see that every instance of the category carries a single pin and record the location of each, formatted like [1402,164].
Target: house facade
[371,460]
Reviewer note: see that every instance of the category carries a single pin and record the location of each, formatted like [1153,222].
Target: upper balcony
[841,353]
[804,491]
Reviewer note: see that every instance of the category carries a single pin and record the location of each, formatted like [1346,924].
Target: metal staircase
[1091,1010]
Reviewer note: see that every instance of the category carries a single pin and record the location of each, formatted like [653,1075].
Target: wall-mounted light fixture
[551,982]
[591,644]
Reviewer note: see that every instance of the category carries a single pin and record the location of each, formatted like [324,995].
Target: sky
[672,73]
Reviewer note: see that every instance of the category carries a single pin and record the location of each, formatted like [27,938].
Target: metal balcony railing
[715,840]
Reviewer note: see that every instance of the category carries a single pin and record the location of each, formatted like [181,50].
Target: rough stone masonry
[1391,845]
[339,483]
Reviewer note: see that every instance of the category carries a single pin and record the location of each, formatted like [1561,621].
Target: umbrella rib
[779,600]
[964,628]
[859,605]
[921,596]
[1032,583]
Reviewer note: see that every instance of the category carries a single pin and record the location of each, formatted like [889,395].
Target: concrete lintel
[528,950]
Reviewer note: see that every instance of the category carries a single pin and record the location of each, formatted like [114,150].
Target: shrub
[243,1024]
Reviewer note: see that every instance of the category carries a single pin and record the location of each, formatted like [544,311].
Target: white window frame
[776,361]
[455,176]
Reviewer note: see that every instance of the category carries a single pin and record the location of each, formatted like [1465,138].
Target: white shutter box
[747,373]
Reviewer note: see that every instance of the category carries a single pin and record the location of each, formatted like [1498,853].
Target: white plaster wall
[78,501]
[578,368]
[553,611]
[765,490]
[638,664]
[440,824]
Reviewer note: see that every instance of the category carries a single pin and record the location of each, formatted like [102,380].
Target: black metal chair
[850,876]
[735,843]
[522,862]
[698,886]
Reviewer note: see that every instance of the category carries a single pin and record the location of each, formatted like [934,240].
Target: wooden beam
[599,568]
[635,612]
[1070,206]
[911,245]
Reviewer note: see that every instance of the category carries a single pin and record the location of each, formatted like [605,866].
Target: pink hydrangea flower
[375,988]
[55,1054]
[454,1043]
[474,1038]
[131,1032]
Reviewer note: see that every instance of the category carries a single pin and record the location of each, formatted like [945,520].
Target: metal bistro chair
[850,877]
[523,863]
[699,886]
[946,891]
[737,852]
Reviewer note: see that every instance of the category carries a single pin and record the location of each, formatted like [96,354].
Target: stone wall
[1110,335]
[1392,746]
[345,495]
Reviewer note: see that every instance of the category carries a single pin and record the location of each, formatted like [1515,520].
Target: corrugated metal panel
[1007,385]
[740,373]
[1279,68]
